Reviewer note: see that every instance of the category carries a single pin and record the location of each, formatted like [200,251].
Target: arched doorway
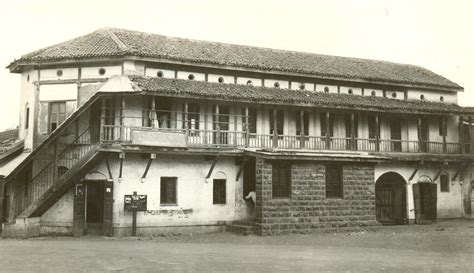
[390,199]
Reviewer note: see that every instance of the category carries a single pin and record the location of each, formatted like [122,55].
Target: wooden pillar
[102,121]
[185,121]
[461,134]
[236,120]
[206,115]
[352,132]
[122,120]
[2,190]
[328,135]
[470,135]
[302,129]
[420,141]
[444,131]
[247,129]
[275,131]
[377,133]
[218,127]
[152,112]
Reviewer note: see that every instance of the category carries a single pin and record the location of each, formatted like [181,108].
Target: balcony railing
[241,139]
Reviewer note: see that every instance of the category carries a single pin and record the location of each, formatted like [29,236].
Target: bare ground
[447,246]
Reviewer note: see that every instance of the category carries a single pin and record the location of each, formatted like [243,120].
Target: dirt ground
[447,246]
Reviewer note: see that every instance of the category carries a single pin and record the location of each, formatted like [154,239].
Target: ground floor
[446,246]
[276,194]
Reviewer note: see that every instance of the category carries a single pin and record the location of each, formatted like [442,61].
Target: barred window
[168,190]
[444,182]
[281,179]
[334,184]
[219,191]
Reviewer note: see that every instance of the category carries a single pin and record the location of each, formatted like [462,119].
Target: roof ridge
[116,39]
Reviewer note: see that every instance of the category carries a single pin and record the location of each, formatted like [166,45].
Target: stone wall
[308,210]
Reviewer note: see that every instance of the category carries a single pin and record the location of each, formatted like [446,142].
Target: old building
[324,142]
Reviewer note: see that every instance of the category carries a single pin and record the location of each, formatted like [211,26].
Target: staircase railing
[48,176]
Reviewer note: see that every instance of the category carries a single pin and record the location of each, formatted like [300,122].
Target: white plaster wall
[355,90]
[61,213]
[58,92]
[152,72]
[271,83]
[193,191]
[215,78]
[307,86]
[368,92]
[93,72]
[255,81]
[432,95]
[197,76]
[399,95]
[51,74]
[320,88]
[449,203]
[133,68]
[27,98]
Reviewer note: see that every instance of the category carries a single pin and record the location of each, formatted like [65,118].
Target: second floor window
[348,123]
[252,119]
[281,179]
[324,125]
[279,121]
[57,114]
[305,123]
[373,130]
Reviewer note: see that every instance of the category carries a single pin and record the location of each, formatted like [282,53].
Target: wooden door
[384,204]
[79,216]
[108,208]
[425,200]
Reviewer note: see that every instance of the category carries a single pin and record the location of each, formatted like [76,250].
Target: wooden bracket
[241,169]
[413,174]
[212,167]
[108,168]
[456,175]
[437,175]
[152,157]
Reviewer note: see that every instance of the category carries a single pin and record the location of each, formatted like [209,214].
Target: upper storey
[106,44]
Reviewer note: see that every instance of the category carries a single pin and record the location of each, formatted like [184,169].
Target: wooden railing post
[302,129]
[461,134]
[328,134]
[247,129]
[275,130]
[377,133]
[444,131]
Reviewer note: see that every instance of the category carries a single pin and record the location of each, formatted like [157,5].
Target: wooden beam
[461,134]
[121,156]
[122,118]
[444,131]
[302,129]
[186,126]
[102,119]
[328,135]
[456,175]
[218,127]
[247,132]
[353,132]
[212,167]
[420,144]
[275,130]
[377,133]
[241,169]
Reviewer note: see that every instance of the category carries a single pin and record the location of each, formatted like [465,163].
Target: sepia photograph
[237,136]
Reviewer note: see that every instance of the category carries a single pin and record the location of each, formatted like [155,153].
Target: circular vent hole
[220,79]
[191,77]
[326,89]
[159,74]
[59,73]
[102,71]
[350,91]
[276,85]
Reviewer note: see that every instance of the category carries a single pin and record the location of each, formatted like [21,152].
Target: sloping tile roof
[109,42]
[246,93]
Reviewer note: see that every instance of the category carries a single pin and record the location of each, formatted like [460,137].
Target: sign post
[135,203]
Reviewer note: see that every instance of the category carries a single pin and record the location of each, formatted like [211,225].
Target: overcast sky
[438,35]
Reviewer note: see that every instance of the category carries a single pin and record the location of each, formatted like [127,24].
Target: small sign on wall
[135,202]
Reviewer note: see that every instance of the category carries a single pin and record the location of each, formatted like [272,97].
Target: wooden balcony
[241,139]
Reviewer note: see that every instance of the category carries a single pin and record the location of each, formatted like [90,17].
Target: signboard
[157,138]
[135,202]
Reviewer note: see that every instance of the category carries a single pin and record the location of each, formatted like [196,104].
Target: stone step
[242,227]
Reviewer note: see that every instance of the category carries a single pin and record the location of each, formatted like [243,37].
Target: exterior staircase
[242,227]
[50,172]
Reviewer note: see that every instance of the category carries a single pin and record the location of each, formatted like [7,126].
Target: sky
[438,35]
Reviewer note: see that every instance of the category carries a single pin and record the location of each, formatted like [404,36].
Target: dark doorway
[94,207]
[249,176]
[425,198]
[390,199]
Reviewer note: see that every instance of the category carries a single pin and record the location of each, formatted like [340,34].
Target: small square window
[334,184]
[168,191]
[444,182]
[219,191]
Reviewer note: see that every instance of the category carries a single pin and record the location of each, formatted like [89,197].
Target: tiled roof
[109,42]
[8,136]
[246,93]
